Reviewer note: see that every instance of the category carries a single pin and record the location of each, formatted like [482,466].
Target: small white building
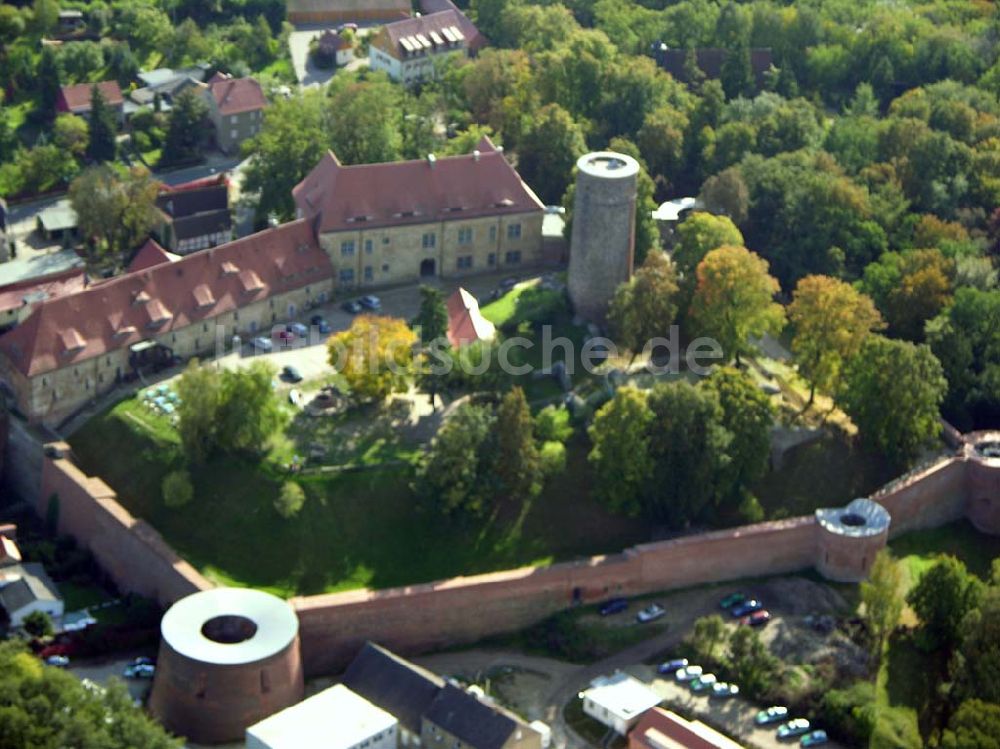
[336,718]
[26,588]
[618,701]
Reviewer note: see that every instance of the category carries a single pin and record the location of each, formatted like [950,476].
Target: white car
[260,343]
[689,673]
[650,613]
[372,303]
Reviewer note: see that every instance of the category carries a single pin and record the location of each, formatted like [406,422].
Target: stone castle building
[399,222]
[359,227]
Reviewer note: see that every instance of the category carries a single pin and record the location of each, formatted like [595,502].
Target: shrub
[750,509]
[38,624]
[850,713]
[552,424]
[553,458]
[177,489]
[896,728]
[290,500]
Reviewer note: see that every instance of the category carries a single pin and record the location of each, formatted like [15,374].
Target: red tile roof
[236,95]
[435,32]
[138,305]
[466,323]
[474,38]
[149,256]
[76,99]
[12,296]
[331,41]
[662,729]
[413,192]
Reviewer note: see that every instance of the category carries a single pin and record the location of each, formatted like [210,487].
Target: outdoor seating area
[162,400]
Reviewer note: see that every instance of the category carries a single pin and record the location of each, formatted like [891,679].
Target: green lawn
[918,550]
[357,529]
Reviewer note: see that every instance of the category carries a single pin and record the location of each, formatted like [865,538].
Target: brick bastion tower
[602,245]
[228,659]
[849,538]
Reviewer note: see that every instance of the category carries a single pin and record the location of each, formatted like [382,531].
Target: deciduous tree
[547,151]
[620,454]
[644,306]
[753,665]
[734,299]
[941,599]
[830,320]
[517,462]
[432,319]
[910,288]
[115,211]
[748,415]
[699,234]
[375,356]
[893,391]
[290,500]
[882,596]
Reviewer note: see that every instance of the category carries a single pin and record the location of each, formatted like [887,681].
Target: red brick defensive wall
[462,610]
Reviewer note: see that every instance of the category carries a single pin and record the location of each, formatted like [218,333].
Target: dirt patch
[799,596]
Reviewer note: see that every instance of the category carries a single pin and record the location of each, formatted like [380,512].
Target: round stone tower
[849,539]
[602,246]
[228,659]
[982,451]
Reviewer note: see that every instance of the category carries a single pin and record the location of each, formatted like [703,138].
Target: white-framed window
[347,248]
[369,273]
[491,259]
[347,276]
[234,133]
[369,247]
[465,236]
[514,231]
[513,257]
[464,262]
[493,234]
[429,240]
[232,119]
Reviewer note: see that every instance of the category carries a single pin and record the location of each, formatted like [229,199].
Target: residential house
[433,713]
[339,11]
[709,61]
[466,323]
[58,222]
[618,701]
[70,21]
[76,347]
[25,589]
[194,219]
[76,99]
[236,108]
[334,48]
[162,85]
[472,34]
[663,729]
[335,718]
[411,50]
[392,223]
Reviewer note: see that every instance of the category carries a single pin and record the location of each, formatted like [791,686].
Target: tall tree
[941,599]
[517,462]
[200,391]
[830,320]
[102,145]
[644,306]
[432,319]
[736,74]
[620,455]
[186,131]
[726,194]
[454,474]
[752,663]
[375,356]
[364,119]
[250,412]
[734,299]
[115,212]
[893,391]
[975,725]
[699,234]
[910,288]
[882,596]
[48,82]
[547,151]
[748,415]
[978,659]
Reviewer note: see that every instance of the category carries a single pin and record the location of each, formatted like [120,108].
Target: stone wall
[130,551]
[926,498]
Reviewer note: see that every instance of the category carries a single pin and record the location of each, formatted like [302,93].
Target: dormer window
[158,313]
[203,296]
[229,269]
[250,282]
[141,298]
[72,341]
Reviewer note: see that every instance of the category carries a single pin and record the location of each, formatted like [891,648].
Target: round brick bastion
[982,452]
[849,539]
[228,658]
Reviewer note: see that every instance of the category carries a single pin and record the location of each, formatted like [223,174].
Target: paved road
[103,670]
[306,72]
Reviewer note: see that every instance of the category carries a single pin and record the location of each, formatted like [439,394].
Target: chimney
[476,155]
[431,160]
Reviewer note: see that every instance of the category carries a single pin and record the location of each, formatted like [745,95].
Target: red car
[757,618]
[285,337]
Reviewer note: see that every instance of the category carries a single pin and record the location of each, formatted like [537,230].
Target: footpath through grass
[357,529]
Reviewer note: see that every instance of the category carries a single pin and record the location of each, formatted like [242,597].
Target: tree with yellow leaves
[734,299]
[830,319]
[375,356]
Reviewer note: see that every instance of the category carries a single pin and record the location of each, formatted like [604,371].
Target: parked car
[613,606]
[285,337]
[59,661]
[793,728]
[725,689]
[142,661]
[757,618]
[747,608]
[772,715]
[555,210]
[139,671]
[507,284]
[703,683]
[814,738]
[371,302]
[291,374]
[688,673]
[733,599]
[320,322]
[651,613]
[348,27]
[260,343]
[351,307]
[672,666]
[298,329]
